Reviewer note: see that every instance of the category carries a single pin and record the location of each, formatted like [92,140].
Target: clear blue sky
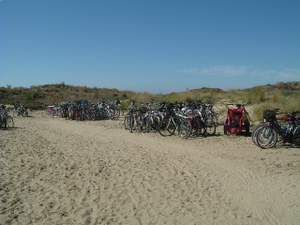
[149,45]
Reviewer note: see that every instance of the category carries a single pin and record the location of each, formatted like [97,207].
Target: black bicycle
[277,127]
[6,120]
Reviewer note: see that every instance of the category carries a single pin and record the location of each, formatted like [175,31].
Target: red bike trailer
[237,121]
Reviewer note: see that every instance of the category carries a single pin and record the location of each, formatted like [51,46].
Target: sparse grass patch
[125,104]
[284,103]
[255,95]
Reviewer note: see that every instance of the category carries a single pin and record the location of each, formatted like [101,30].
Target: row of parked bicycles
[183,119]
[19,110]
[84,110]
[196,119]
[189,119]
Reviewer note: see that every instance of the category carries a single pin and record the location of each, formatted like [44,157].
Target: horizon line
[148,92]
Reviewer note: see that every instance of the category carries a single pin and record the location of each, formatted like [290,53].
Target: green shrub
[284,103]
[259,109]
[256,95]
[124,105]
[277,97]
[29,97]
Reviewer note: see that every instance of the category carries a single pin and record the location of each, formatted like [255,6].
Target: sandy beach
[59,172]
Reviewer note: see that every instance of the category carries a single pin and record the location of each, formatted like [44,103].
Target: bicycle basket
[269,115]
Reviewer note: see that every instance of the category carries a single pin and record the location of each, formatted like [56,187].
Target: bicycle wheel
[131,123]
[148,124]
[116,114]
[254,133]
[126,122]
[198,128]
[185,129]
[211,125]
[143,124]
[166,127]
[266,137]
[10,122]
[156,123]
[211,130]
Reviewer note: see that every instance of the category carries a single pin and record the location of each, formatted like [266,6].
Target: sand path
[54,171]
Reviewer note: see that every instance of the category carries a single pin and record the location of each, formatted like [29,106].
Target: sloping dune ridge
[59,172]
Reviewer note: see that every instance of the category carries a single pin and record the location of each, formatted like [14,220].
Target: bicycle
[270,132]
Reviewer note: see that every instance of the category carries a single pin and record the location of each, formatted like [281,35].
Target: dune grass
[285,96]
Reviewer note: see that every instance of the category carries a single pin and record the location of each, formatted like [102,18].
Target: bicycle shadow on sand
[289,146]
[11,128]
[195,137]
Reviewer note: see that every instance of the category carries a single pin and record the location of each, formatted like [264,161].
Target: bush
[29,97]
[284,103]
[256,95]
[277,97]
[124,105]
[259,109]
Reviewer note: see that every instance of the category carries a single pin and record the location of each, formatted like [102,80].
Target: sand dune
[54,171]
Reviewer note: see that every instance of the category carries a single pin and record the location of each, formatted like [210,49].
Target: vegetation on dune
[285,102]
[285,96]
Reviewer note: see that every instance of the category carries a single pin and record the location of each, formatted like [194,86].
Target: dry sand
[54,171]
